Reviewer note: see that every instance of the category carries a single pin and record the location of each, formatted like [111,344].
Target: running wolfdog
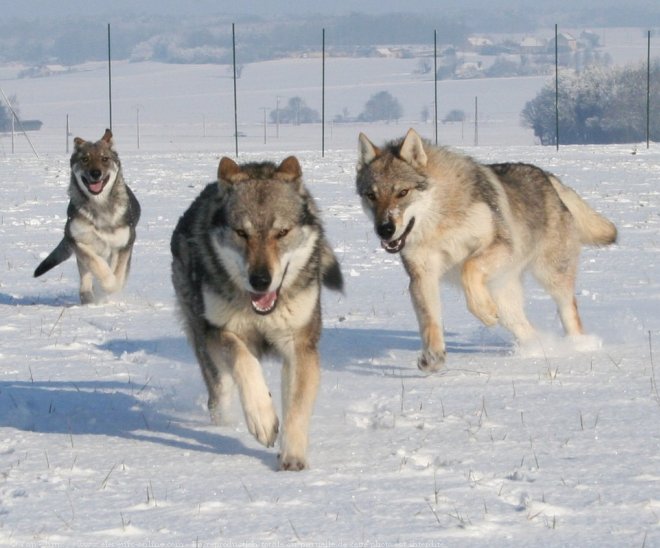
[249,258]
[442,210]
[101,219]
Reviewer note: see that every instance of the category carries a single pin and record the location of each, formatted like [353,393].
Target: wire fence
[156,107]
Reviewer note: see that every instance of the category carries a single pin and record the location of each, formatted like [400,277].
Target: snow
[104,435]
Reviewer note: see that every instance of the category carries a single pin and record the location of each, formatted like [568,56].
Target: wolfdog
[445,211]
[249,258]
[101,219]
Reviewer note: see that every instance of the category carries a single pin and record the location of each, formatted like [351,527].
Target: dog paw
[263,424]
[87,297]
[291,463]
[431,361]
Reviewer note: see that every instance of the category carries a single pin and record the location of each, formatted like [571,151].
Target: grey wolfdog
[101,219]
[249,258]
[444,211]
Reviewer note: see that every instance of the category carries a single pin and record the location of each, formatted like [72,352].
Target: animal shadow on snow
[66,300]
[391,352]
[106,408]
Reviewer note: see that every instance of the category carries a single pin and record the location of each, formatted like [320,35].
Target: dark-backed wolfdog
[101,219]
[249,258]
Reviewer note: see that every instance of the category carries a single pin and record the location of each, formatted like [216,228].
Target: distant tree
[381,106]
[597,106]
[5,113]
[502,67]
[295,112]
[454,115]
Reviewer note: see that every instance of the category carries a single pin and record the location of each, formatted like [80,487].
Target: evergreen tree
[597,106]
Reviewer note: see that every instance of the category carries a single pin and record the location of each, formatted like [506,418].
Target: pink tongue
[96,187]
[265,301]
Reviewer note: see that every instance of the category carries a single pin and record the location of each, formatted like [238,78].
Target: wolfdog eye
[105,159]
[282,233]
[402,193]
[241,233]
[371,196]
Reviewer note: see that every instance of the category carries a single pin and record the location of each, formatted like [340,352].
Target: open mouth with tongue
[95,187]
[394,246]
[264,303]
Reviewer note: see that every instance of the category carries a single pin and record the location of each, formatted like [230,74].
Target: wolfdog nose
[386,230]
[260,280]
[96,174]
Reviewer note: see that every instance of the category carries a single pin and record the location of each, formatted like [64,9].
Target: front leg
[86,282]
[97,265]
[122,265]
[425,296]
[228,351]
[301,373]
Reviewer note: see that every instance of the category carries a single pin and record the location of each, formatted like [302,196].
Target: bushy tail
[594,229]
[60,254]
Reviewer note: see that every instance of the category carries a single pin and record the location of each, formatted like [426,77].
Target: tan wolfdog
[442,211]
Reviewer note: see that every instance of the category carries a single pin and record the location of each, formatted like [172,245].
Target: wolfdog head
[94,166]
[391,183]
[266,232]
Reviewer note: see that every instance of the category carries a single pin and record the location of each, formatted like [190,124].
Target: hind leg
[560,283]
[509,298]
[561,287]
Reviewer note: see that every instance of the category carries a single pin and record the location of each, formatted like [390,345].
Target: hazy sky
[636,12]
[48,8]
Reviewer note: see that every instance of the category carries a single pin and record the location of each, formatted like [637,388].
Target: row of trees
[597,106]
[382,106]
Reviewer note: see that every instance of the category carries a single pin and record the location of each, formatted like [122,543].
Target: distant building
[532,45]
[565,43]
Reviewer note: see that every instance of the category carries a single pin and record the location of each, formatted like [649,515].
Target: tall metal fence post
[109,79]
[233,46]
[323,94]
[648,90]
[556,88]
[435,83]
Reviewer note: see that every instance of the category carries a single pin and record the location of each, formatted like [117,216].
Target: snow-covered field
[104,436]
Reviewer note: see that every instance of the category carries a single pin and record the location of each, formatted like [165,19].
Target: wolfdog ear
[78,142]
[367,151]
[107,138]
[412,149]
[289,170]
[230,171]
